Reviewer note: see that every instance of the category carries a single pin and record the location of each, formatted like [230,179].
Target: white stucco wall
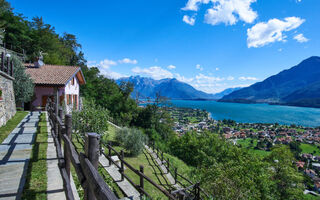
[72,90]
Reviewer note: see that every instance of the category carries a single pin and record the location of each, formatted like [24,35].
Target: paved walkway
[54,179]
[15,153]
[124,185]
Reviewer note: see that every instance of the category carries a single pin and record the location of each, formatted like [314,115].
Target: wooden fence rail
[85,165]
[197,191]
[143,177]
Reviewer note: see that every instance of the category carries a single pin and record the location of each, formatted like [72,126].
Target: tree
[285,174]
[92,118]
[23,85]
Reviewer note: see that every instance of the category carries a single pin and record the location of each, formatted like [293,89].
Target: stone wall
[7,103]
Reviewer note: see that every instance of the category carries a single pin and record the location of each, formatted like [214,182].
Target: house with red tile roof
[53,80]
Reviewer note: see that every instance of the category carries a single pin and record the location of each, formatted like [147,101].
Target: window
[69,99]
[75,101]
[72,81]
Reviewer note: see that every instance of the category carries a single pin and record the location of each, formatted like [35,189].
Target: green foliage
[23,85]
[132,140]
[288,181]
[230,172]
[92,118]
[108,94]
[36,36]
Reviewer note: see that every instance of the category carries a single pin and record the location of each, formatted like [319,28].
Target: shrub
[133,140]
[92,118]
[23,84]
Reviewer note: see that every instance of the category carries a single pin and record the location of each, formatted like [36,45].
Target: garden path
[15,153]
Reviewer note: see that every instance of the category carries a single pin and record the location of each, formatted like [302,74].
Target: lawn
[79,144]
[309,148]
[151,169]
[36,183]
[11,124]
[246,143]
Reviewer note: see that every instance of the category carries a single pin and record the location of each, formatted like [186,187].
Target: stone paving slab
[54,179]
[15,153]
[163,168]
[124,185]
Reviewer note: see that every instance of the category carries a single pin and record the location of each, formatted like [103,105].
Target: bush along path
[15,153]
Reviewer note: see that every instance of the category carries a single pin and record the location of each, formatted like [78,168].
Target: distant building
[316,166]
[52,79]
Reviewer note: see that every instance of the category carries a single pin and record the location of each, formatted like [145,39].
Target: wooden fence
[6,64]
[140,172]
[188,189]
[85,165]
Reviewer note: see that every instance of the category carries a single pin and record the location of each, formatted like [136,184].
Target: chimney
[39,62]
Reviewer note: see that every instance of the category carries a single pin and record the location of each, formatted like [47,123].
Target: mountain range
[297,86]
[172,88]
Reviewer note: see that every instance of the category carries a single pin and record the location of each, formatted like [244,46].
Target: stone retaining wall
[7,103]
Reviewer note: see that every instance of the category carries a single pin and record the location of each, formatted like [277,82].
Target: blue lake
[255,113]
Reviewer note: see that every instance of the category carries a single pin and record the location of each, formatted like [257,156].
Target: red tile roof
[54,74]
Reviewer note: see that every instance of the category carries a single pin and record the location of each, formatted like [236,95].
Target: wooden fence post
[141,179]
[175,175]
[8,64]
[109,155]
[2,62]
[11,73]
[68,130]
[92,152]
[197,191]
[122,165]
[60,115]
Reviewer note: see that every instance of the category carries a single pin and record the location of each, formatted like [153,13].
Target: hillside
[289,86]
[171,88]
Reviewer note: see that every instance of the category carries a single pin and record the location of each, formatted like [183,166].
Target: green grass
[310,197]
[247,145]
[151,169]
[36,183]
[11,124]
[309,148]
[114,187]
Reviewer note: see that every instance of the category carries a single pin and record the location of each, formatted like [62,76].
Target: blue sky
[210,44]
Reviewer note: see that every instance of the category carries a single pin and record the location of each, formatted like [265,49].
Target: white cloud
[189,20]
[225,11]
[183,79]
[242,78]
[230,78]
[300,38]
[264,33]
[230,11]
[201,78]
[217,69]
[199,67]
[111,74]
[106,64]
[155,72]
[128,61]
[171,67]
[193,5]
